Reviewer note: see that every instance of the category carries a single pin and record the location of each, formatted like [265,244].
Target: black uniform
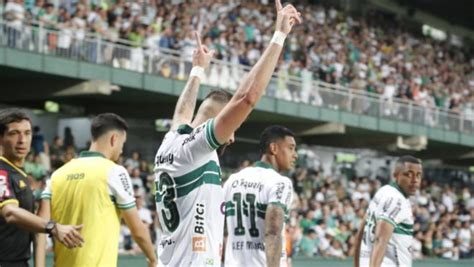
[15,243]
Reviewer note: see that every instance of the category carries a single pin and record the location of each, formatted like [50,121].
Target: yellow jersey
[90,190]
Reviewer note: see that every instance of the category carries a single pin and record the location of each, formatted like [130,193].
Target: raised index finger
[278,5]
[198,40]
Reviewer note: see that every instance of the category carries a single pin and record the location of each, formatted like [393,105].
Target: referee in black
[17,220]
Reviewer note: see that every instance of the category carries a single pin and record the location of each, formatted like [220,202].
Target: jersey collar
[85,154]
[264,165]
[396,186]
[185,129]
[18,169]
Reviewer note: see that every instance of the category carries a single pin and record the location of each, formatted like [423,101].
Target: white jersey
[391,205]
[247,194]
[189,198]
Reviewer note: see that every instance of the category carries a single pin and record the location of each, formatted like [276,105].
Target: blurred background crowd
[376,53]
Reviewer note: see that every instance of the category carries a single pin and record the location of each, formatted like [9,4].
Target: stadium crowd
[326,211]
[370,54]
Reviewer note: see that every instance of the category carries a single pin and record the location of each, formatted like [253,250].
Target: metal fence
[124,54]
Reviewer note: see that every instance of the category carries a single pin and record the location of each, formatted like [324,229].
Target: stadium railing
[169,63]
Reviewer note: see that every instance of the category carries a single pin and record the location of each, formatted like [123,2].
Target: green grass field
[136,261]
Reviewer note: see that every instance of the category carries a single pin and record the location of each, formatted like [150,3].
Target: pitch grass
[138,261]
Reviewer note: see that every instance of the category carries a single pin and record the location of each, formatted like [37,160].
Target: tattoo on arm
[184,110]
[273,234]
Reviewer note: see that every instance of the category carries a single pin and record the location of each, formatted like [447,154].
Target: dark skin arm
[274,219]
[383,233]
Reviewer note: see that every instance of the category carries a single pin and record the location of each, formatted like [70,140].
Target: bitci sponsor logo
[199,244]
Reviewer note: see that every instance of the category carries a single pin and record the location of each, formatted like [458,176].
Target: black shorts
[14,264]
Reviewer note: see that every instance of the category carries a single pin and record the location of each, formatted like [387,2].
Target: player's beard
[221,150]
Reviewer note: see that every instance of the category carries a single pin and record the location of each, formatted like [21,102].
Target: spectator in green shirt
[308,221]
[309,244]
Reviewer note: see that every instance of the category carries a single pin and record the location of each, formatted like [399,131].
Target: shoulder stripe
[210,136]
[45,195]
[9,201]
[126,206]
[399,228]
[387,219]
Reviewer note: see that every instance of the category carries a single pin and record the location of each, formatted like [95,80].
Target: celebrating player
[189,198]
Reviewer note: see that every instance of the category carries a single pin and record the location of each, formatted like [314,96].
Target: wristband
[198,72]
[278,38]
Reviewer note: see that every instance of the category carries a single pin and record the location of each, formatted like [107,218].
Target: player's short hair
[106,122]
[219,95]
[272,134]
[408,159]
[10,115]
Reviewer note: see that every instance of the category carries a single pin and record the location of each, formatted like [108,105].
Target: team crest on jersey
[199,244]
[209,261]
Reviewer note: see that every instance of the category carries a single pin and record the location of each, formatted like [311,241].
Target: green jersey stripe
[261,206]
[229,204]
[211,139]
[45,196]
[207,178]
[406,226]
[210,166]
[213,135]
[231,212]
[126,206]
[401,231]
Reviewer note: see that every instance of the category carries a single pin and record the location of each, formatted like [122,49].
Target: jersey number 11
[248,210]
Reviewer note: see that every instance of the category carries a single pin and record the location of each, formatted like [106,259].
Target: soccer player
[94,191]
[257,200]
[189,197]
[385,237]
[17,221]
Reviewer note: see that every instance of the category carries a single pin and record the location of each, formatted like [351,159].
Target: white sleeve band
[278,38]
[198,72]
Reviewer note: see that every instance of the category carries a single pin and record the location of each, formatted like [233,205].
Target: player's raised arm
[383,233]
[254,85]
[184,110]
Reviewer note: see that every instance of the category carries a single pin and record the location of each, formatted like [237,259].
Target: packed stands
[373,54]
